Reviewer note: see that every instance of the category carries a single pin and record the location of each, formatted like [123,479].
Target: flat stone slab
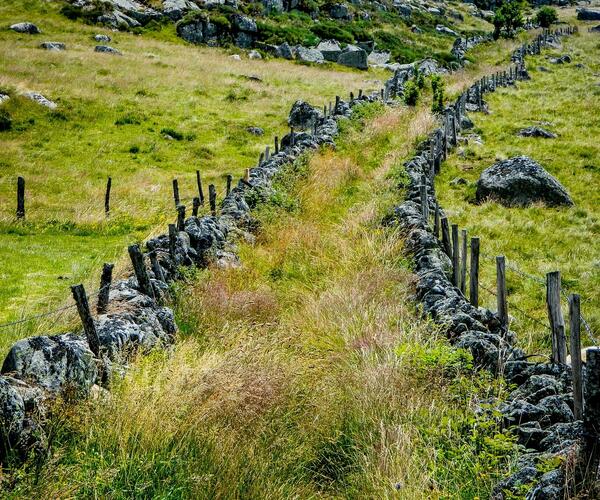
[536,132]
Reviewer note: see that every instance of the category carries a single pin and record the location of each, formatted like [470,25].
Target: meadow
[160,111]
[564,100]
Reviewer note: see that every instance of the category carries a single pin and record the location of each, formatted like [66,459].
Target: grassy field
[302,375]
[537,240]
[110,121]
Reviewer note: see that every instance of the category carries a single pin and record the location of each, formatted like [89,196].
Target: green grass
[538,240]
[303,374]
[112,120]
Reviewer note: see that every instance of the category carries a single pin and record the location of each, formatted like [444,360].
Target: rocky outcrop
[303,115]
[536,132]
[330,49]
[41,100]
[520,181]
[353,56]
[584,14]
[53,46]
[176,9]
[309,55]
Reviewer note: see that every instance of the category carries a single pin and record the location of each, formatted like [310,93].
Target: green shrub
[330,29]
[411,93]
[546,16]
[128,119]
[419,79]
[175,134]
[5,120]
[437,89]
[221,22]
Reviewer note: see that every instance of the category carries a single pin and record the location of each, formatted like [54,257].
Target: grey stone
[105,49]
[244,40]
[520,181]
[243,23]
[118,19]
[466,123]
[354,57]
[102,38]
[551,486]
[378,58]
[596,29]
[303,115]
[284,51]
[430,67]
[584,14]
[556,410]
[536,132]
[531,435]
[176,9]
[29,28]
[41,100]
[4,98]
[340,11]
[53,46]
[444,30]
[273,6]
[330,49]
[457,181]
[255,130]
[309,55]
[519,412]
[566,58]
[254,54]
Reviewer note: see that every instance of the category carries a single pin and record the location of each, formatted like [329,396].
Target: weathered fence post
[181,217]
[104,292]
[501,293]
[446,237]
[276,145]
[268,152]
[83,308]
[463,263]
[247,175]
[20,198]
[229,179]
[575,340]
[436,221]
[176,192]
[591,415]
[172,241]
[424,201]
[455,256]
[107,197]
[139,268]
[200,190]
[212,199]
[261,159]
[474,273]
[557,322]
[195,206]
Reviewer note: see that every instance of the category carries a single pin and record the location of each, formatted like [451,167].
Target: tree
[437,88]
[546,16]
[509,17]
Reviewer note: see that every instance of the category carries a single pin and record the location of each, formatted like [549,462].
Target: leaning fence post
[501,293]
[474,273]
[557,322]
[107,197]
[575,324]
[181,217]
[229,179]
[200,190]
[175,192]
[455,256]
[104,293]
[139,268]
[212,198]
[463,263]
[83,308]
[172,241]
[195,206]
[446,237]
[20,198]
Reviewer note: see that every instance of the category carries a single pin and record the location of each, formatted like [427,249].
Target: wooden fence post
[501,293]
[446,237]
[104,293]
[156,267]
[229,179]
[172,241]
[212,198]
[557,322]
[436,222]
[83,308]
[575,340]
[139,268]
[107,197]
[20,198]
[424,201]
[247,175]
[267,153]
[463,263]
[181,217]
[195,206]
[276,145]
[474,273]
[591,403]
[455,256]
[176,192]
[200,190]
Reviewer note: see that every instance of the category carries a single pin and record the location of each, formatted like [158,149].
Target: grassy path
[305,373]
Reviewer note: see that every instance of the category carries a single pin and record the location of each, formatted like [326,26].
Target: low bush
[437,89]
[411,93]
[5,120]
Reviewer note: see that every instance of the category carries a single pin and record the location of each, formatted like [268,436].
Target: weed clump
[437,89]
[5,120]
[411,93]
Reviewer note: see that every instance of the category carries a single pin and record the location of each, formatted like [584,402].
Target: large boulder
[273,6]
[303,115]
[520,181]
[176,9]
[29,28]
[330,49]
[309,55]
[284,51]
[340,11]
[378,58]
[353,56]
[584,14]
[41,100]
